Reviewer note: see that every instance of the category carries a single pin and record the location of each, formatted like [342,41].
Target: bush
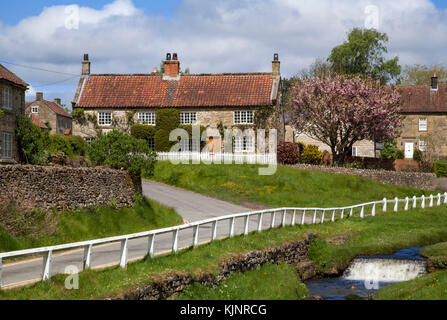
[166,121]
[288,153]
[390,151]
[142,131]
[311,155]
[417,155]
[440,168]
[78,114]
[120,150]
[78,145]
[354,165]
[32,142]
[59,143]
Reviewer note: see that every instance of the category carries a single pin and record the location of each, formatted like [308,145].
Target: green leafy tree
[421,74]
[32,142]
[363,53]
[120,150]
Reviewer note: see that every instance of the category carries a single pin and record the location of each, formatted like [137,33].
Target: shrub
[166,121]
[78,114]
[327,158]
[440,168]
[120,150]
[142,131]
[311,155]
[354,165]
[78,145]
[31,141]
[59,143]
[390,151]
[288,153]
[417,155]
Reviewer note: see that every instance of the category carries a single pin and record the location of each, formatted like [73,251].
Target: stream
[367,274]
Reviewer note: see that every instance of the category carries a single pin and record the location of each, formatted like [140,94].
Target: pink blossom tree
[341,110]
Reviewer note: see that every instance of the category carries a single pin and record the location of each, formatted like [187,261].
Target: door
[408,150]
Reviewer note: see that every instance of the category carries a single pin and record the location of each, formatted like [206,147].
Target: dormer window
[34,109]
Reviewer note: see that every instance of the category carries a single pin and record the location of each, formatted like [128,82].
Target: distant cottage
[12,100]
[232,99]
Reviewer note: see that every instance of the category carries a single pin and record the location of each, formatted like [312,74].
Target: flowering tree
[340,110]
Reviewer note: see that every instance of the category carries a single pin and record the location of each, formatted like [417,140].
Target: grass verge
[269,282]
[19,230]
[382,234]
[287,187]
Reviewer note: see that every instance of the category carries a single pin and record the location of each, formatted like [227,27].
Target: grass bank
[270,282]
[383,234]
[20,230]
[287,187]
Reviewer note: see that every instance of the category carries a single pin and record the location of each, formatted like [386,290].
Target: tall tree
[341,110]
[363,53]
[421,74]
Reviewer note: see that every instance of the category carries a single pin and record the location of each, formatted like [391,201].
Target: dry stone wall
[29,187]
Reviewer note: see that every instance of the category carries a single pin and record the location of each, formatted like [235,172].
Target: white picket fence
[226,158]
[297,216]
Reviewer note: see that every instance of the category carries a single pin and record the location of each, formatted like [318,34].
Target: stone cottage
[425,123]
[51,114]
[12,100]
[115,101]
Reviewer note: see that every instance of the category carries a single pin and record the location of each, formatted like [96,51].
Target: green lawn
[19,230]
[287,187]
[270,282]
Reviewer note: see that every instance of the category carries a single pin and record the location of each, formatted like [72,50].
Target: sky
[133,36]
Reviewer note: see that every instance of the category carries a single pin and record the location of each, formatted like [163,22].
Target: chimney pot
[85,56]
[168,57]
[174,56]
[57,101]
[86,66]
[276,71]
[39,96]
[171,67]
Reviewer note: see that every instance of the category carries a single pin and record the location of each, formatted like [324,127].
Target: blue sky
[210,36]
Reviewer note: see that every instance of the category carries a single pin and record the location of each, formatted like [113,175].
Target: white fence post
[303,217]
[87,256]
[150,245]
[196,236]
[272,220]
[333,216]
[232,227]
[445,197]
[46,269]
[431,201]
[322,216]
[214,232]
[423,201]
[396,203]
[414,202]
[123,255]
[314,218]
[247,218]
[175,241]
[406,203]
[292,223]
[373,210]
[351,211]
[342,213]
[438,202]
[362,212]
[384,204]
[260,222]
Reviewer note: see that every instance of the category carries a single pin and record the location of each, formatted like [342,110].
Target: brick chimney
[57,101]
[86,66]
[276,70]
[39,96]
[434,83]
[171,67]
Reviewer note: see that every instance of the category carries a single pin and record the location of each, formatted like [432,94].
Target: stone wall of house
[173,283]
[435,136]
[419,180]
[8,118]
[30,187]
[365,148]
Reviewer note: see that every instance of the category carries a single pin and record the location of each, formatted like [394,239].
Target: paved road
[191,206]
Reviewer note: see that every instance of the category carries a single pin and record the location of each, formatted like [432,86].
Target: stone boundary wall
[28,187]
[419,180]
[172,284]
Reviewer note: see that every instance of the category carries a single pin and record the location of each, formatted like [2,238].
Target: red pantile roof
[420,99]
[10,76]
[37,121]
[204,90]
[57,108]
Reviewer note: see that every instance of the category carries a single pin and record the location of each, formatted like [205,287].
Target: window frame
[34,109]
[243,117]
[422,145]
[103,119]
[421,127]
[7,98]
[4,152]
[244,144]
[355,154]
[151,116]
[186,117]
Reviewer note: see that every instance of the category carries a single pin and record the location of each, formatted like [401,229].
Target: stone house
[51,114]
[12,100]
[424,126]
[116,101]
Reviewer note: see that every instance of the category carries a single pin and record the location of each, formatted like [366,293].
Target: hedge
[440,168]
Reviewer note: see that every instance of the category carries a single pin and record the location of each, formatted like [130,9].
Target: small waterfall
[385,270]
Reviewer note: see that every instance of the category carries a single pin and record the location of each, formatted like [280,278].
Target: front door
[408,150]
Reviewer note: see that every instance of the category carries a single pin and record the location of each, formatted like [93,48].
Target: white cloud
[216,36]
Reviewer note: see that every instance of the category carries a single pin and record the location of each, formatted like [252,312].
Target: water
[366,275]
